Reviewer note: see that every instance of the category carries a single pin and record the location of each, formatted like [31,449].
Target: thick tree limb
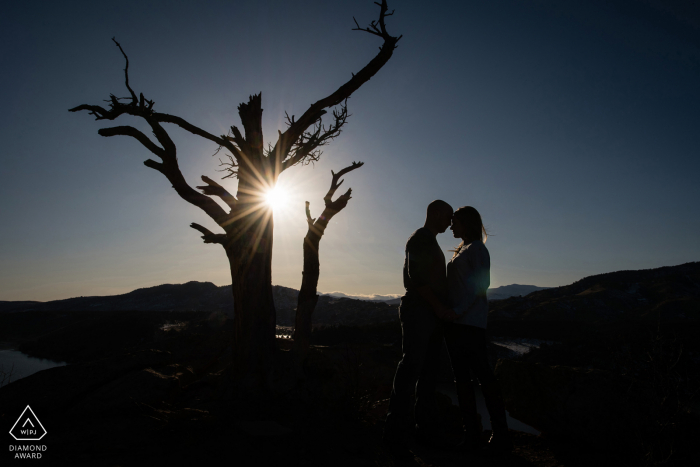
[120,109]
[309,219]
[214,189]
[153,165]
[209,237]
[174,175]
[134,133]
[169,167]
[289,138]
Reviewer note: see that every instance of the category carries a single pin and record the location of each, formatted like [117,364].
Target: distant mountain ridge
[670,293]
[207,297]
[513,290]
[496,293]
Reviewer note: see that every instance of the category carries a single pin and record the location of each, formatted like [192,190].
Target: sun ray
[276,197]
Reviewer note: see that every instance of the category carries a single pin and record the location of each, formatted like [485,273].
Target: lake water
[15,365]
[519,345]
[513,424]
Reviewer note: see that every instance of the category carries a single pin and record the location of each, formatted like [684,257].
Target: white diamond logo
[28,427]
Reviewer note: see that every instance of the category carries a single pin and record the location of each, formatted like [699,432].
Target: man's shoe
[397,448]
[431,440]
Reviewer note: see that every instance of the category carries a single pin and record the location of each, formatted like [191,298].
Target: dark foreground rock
[633,422]
[168,400]
[585,404]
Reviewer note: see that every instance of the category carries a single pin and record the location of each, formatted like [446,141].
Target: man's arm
[419,269]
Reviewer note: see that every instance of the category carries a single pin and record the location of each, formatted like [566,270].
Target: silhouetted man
[422,307]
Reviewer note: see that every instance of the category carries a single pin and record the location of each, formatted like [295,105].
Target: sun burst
[277,198]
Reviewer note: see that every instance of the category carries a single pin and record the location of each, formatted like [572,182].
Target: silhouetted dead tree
[307,299]
[247,221]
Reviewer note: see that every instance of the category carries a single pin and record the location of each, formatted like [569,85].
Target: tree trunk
[306,302]
[249,250]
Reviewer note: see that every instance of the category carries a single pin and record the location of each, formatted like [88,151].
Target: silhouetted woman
[468,278]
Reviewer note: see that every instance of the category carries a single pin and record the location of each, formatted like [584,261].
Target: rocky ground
[165,399]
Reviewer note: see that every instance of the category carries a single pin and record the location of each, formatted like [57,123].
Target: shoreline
[8,345]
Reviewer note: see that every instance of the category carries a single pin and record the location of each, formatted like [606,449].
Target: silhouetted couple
[450,304]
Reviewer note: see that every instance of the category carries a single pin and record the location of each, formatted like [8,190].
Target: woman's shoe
[500,443]
[431,440]
[397,447]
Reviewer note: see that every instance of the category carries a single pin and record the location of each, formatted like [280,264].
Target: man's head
[439,216]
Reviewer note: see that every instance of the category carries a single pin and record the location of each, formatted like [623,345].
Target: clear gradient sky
[573,127]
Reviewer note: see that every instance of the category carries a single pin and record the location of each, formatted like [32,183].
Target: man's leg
[426,411]
[417,330]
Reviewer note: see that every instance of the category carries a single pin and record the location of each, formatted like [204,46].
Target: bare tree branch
[168,152]
[209,236]
[328,199]
[126,73]
[169,167]
[134,133]
[372,28]
[305,149]
[174,175]
[283,150]
[214,189]
[129,109]
[318,226]
[185,125]
[144,108]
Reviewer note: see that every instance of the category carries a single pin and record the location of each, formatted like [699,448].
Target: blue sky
[571,126]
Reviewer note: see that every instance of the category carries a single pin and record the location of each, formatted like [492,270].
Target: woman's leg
[457,345]
[478,362]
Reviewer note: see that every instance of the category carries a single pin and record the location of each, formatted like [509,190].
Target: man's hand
[446,314]
[441,311]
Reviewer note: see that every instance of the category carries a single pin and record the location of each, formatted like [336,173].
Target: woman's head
[467,225]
